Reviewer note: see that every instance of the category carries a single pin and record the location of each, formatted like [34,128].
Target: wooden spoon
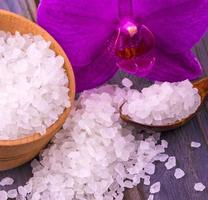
[201,85]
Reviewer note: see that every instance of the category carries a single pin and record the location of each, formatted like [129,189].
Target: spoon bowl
[201,85]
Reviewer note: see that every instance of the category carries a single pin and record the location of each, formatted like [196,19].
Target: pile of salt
[33,85]
[162,103]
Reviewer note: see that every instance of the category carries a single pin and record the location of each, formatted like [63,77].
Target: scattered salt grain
[95,155]
[22,191]
[147,180]
[155,188]
[151,197]
[179,173]
[3,195]
[162,103]
[127,83]
[33,85]
[162,157]
[150,168]
[164,143]
[101,165]
[12,193]
[195,144]
[199,187]
[6,181]
[171,162]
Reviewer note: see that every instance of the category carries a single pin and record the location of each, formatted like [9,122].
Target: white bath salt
[155,188]
[12,193]
[144,145]
[195,144]
[19,197]
[28,187]
[33,85]
[162,103]
[95,155]
[150,168]
[136,180]
[162,157]
[146,180]
[6,181]
[164,143]
[171,162]
[127,83]
[151,197]
[22,191]
[3,195]
[199,187]
[179,173]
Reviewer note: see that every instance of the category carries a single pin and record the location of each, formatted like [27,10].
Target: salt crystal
[161,157]
[199,187]
[36,196]
[179,173]
[144,145]
[19,197]
[155,188]
[3,195]
[6,181]
[22,191]
[195,144]
[150,168]
[119,197]
[171,162]
[127,83]
[164,143]
[136,179]
[28,79]
[147,180]
[12,193]
[128,184]
[151,197]
[28,187]
[119,168]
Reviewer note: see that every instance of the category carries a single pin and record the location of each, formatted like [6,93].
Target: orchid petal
[174,67]
[82,28]
[178,28]
[95,74]
[144,8]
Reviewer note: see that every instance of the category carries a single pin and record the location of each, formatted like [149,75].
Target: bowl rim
[34,137]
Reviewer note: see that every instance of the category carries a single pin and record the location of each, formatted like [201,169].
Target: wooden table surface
[193,161]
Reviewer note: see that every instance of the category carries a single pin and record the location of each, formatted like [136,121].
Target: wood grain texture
[16,152]
[27,8]
[193,161]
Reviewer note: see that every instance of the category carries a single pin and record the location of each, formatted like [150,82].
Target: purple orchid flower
[148,38]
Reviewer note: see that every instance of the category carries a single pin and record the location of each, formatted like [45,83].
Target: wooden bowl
[17,152]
